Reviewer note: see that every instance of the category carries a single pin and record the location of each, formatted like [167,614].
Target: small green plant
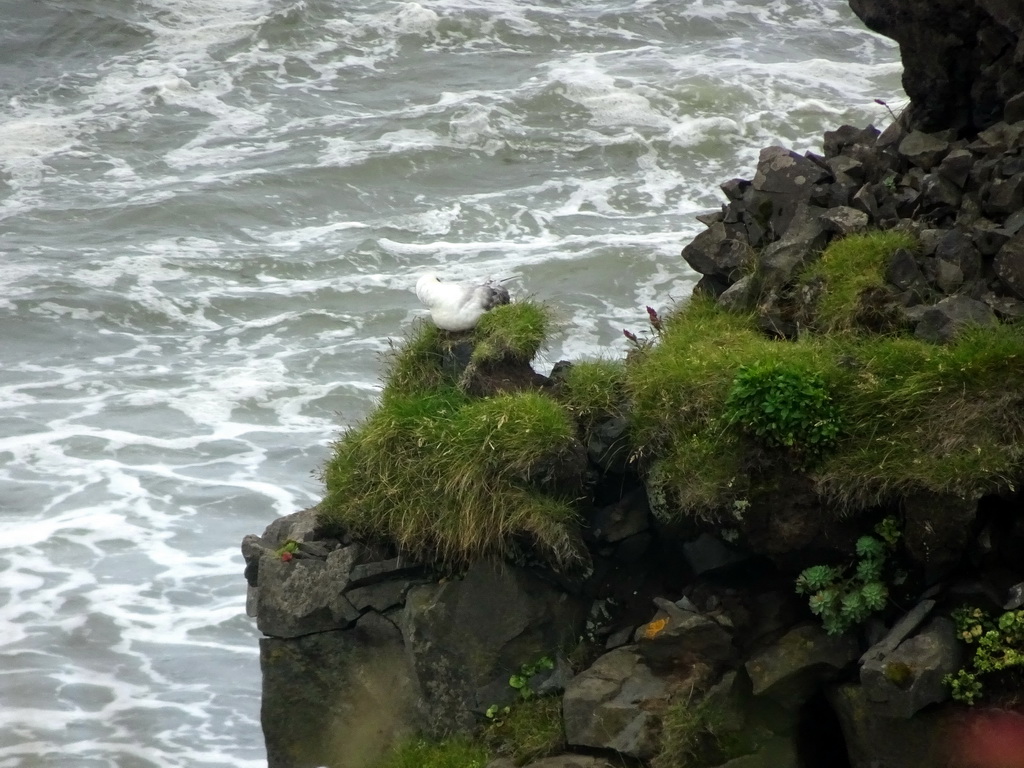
[964,686]
[843,599]
[286,551]
[532,728]
[521,680]
[784,407]
[999,647]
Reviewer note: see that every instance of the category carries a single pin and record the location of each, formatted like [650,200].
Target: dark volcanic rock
[910,677]
[924,149]
[1009,265]
[941,323]
[783,181]
[302,596]
[336,699]
[715,254]
[875,740]
[961,58]
[937,528]
[678,634]
[806,236]
[464,638]
[791,669]
[609,706]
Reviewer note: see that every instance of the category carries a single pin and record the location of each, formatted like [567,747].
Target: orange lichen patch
[655,628]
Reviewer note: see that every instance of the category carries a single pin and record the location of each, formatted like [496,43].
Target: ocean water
[211,216]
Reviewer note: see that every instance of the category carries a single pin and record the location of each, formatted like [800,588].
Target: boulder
[790,669]
[1001,197]
[939,196]
[299,526]
[806,236]
[1009,265]
[608,444]
[626,517]
[903,272]
[899,632]
[844,220]
[616,704]
[784,180]
[957,248]
[716,254]
[377,571]
[740,296]
[941,323]
[304,595]
[956,166]
[336,699]
[908,678]
[924,150]
[988,238]
[874,740]
[464,638]
[845,136]
[680,634]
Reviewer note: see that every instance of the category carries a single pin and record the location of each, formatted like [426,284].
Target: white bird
[458,306]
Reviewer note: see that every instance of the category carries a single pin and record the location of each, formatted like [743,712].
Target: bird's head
[425,285]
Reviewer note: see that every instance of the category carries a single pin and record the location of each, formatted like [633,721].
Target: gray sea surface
[211,217]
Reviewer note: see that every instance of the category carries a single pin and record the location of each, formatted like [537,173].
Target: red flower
[286,557]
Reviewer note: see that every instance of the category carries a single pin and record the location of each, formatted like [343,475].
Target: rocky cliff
[785,531]
[963,60]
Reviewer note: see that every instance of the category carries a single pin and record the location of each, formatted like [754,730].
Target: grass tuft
[849,267]
[513,331]
[691,736]
[414,365]
[529,731]
[594,389]
[451,479]
[450,753]
[913,415]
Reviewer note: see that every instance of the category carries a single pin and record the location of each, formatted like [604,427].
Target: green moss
[529,731]
[849,267]
[898,673]
[453,479]
[450,753]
